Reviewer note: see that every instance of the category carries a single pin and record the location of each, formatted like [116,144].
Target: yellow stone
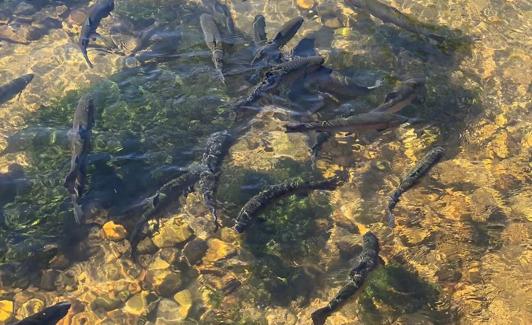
[218,250]
[184,299]
[6,310]
[159,264]
[172,234]
[137,304]
[305,4]
[114,231]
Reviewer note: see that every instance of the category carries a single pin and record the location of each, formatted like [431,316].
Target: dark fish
[157,203]
[259,30]
[99,11]
[144,37]
[305,47]
[213,39]
[366,262]
[365,121]
[321,138]
[216,8]
[14,87]
[217,146]
[400,97]
[249,211]
[47,316]
[271,51]
[332,82]
[80,142]
[274,76]
[429,160]
[391,15]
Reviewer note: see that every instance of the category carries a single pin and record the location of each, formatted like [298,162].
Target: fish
[332,82]
[271,51]
[305,47]
[158,202]
[259,30]
[80,143]
[48,316]
[400,97]
[217,146]
[365,263]
[278,73]
[430,159]
[213,39]
[364,121]
[390,14]
[215,8]
[321,138]
[99,11]
[11,89]
[144,37]
[247,215]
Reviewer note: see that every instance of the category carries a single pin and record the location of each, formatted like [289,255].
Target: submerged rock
[218,250]
[6,310]
[184,299]
[171,234]
[137,305]
[165,282]
[48,279]
[114,231]
[195,250]
[168,313]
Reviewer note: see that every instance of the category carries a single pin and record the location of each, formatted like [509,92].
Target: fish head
[51,315]
[27,78]
[415,82]
[370,240]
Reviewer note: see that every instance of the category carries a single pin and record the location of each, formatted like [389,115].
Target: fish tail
[71,180]
[78,213]
[391,219]
[86,56]
[320,316]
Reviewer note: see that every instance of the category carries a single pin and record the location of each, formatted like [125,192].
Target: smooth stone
[172,234]
[31,307]
[114,231]
[106,303]
[6,310]
[305,4]
[48,279]
[59,262]
[137,305]
[168,312]
[24,8]
[184,299]
[195,250]
[165,282]
[146,246]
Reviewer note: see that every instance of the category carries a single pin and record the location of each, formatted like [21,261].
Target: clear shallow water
[460,252]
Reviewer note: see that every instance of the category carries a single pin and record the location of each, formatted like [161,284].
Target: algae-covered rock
[218,250]
[171,234]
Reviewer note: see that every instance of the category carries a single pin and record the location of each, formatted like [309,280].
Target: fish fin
[78,213]
[377,84]
[320,316]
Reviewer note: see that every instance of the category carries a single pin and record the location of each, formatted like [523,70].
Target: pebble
[172,234]
[218,250]
[48,279]
[165,282]
[305,4]
[137,304]
[6,310]
[168,312]
[184,299]
[114,231]
[195,250]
